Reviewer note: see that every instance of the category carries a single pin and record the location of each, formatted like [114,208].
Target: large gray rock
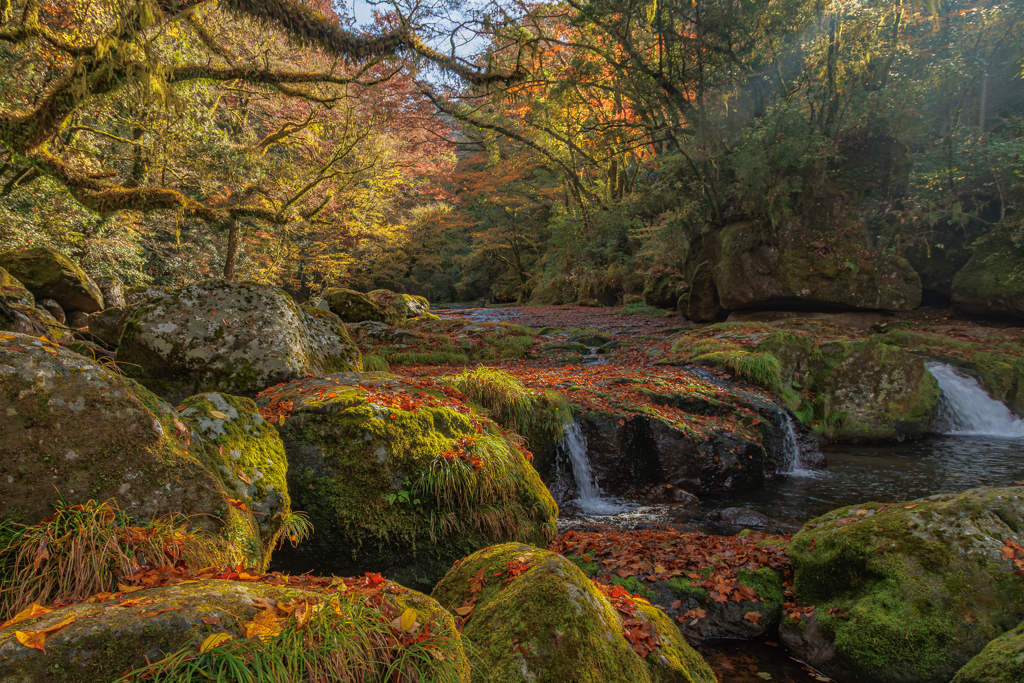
[107,325]
[113,291]
[908,592]
[76,431]
[355,307]
[992,282]
[233,337]
[754,268]
[51,275]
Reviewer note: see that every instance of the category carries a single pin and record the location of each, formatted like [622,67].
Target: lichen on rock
[51,275]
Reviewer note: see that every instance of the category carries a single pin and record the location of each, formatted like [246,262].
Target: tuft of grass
[762,369]
[375,363]
[421,358]
[296,527]
[348,640]
[89,548]
[505,398]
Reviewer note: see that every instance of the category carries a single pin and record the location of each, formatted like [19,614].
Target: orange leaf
[25,614]
[264,625]
[37,639]
[752,617]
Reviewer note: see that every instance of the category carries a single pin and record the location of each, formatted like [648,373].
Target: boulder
[1002,661]
[536,617]
[399,479]
[51,275]
[13,293]
[53,308]
[908,592]
[232,337]
[77,320]
[417,305]
[247,454]
[146,294]
[106,639]
[32,321]
[753,268]
[76,431]
[355,307]
[992,281]
[725,620]
[702,301]
[663,288]
[744,517]
[108,324]
[113,291]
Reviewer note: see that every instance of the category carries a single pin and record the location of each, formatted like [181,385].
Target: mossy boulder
[909,592]
[233,337]
[753,267]
[663,288]
[1002,661]
[725,620]
[108,639]
[992,281]
[13,293]
[145,293]
[51,275]
[401,480]
[537,617]
[108,324]
[33,321]
[703,304]
[76,431]
[247,454]
[355,307]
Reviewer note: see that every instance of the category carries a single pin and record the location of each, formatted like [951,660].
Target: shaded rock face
[992,281]
[50,275]
[387,476]
[565,627]
[663,289]
[754,269]
[355,307]
[113,291]
[107,325]
[74,430]
[232,337]
[907,593]
[13,293]
[53,308]
[703,303]
[147,293]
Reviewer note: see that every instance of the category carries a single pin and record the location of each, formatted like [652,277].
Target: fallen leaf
[264,625]
[215,640]
[25,614]
[464,611]
[753,617]
[408,619]
[211,621]
[280,420]
[37,639]
[160,611]
[219,415]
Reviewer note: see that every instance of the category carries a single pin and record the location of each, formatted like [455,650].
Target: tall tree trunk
[232,256]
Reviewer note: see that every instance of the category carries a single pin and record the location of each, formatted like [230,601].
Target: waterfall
[968,409]
[791,461]
[590,500]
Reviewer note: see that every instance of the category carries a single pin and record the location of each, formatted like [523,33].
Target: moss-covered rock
[663,287]
[108,639]
[355,307]
[726,620]
[403,305]
[76,431]
[401,480]
[753,267]
[537,617]
[13,293]
[907,593]
[232,337]
[237,444]
[844,387]
[33,321]
[1002,661]
[51,275]
[992,282]
[145,293]
[703,304]
[108,324]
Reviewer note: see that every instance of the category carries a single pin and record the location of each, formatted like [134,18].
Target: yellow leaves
[37,639]
[215,640]
[280,420]
[464,611]
[406,622]
[219,415]
[26,614]
[264,625]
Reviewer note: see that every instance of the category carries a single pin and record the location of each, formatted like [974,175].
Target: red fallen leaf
[753,617]
[239,504]
[160,611]
[211,621]
[676,604]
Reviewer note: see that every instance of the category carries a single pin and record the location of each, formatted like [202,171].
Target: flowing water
[590,501]
[967,409]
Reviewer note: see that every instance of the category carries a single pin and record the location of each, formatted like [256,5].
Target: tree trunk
[232,256]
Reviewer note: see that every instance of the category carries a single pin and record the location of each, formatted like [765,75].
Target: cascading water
[792,456]
[968,409]
[590,500]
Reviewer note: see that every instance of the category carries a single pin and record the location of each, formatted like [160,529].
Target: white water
[969,410]
[793,458]
[590,501]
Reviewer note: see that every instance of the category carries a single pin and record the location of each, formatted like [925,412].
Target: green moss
[634,586]
[683,588]
[589,568]
[1002,661]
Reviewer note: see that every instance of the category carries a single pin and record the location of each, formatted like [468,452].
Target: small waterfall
[968,409]
[592,358]
[590,500]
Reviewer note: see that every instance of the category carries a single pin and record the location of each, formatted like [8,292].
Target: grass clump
[506,398]
[349,638]
[89,548]
[761,369]
[428,358]
[375,363]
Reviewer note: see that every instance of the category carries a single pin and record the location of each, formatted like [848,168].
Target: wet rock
[907,593]
[667,493]
[564,626]
[400,483]
[53,308]
[113,291]
[75,431]
[724,620]
[108,324]
[107,639]
[51,275]
[744,517]
[232,337]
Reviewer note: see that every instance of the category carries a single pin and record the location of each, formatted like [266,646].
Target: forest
[560,341]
